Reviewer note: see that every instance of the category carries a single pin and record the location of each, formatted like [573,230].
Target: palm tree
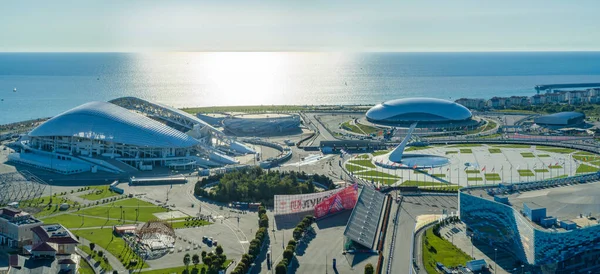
[186,260]
[195,260]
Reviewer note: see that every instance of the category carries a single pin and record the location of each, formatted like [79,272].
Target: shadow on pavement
[341,219]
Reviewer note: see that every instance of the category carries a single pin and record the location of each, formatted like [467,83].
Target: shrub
[369,269]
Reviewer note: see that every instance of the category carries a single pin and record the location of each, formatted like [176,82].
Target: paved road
[412,207]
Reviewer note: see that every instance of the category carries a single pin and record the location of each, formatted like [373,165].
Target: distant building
[470,103]
[15,227]
[561,120]
[53,250]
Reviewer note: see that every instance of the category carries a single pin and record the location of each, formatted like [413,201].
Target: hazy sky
[329,25]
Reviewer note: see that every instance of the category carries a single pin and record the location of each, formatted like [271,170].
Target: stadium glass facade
[502,226]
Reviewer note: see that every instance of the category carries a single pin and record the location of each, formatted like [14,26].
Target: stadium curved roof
[560,118]
[418,110]
[109,122]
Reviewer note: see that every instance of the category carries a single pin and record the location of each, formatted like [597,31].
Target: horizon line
[311,51]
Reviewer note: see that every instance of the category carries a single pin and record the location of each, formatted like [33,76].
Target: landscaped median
[437,249]
[114,244]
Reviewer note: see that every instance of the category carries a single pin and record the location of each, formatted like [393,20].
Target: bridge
[538,88]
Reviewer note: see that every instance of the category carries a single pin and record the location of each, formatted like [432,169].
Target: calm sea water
[49,83]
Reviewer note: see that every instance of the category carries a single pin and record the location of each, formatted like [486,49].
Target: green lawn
[380,152]
[387,180]
[555,166]
[527,155]
[365,163]
[492,177]
[513,146]
[375,173]
[85,268]
[472,171]
[451,152]
[182,269]
[561,176]
[113,210]
[583,168]
[436,249]
[544,156]
[474,179]
[189,224]
[417,148]
[39,207]
[112,243]
[466,145]
[103,264]
[422,183]
[98,193]
[525,172]
[466,150]
[347,126]
[494,150]
[556,149]
[439,175]
[72,220]
[541,170]
[586,158]
[355,168]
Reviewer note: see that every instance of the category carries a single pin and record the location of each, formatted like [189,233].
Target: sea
[36,85]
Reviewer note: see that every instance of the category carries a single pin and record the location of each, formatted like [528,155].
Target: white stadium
[124,135]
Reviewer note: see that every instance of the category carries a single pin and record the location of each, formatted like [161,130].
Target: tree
[207,260]
[92,246]
[369,269]
[115,272]
[288,254]
[195,260]
[203,254]
[186,260]
[219,250]
[280,269]
[264,221]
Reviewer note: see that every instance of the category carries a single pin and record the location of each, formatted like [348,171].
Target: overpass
[538,88]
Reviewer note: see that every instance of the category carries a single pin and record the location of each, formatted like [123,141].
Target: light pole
[495,255]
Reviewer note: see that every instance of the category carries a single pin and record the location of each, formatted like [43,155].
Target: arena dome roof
[111,123]
[418,110]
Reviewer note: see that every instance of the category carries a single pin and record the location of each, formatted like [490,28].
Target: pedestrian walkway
[112,260]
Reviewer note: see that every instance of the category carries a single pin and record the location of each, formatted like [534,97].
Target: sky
[326,25]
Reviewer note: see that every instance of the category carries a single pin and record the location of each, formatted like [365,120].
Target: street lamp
[495,255]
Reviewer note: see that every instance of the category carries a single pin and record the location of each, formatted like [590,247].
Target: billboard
[342,200]
[291,204]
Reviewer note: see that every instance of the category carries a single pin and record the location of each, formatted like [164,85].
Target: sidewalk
[112,260]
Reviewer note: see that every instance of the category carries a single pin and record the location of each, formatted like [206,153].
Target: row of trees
[257,185]
[213,261]
[288,253]
[255,245]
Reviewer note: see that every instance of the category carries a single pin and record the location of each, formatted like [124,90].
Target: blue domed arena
[426,112]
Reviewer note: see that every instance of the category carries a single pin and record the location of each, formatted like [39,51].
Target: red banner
[342,200]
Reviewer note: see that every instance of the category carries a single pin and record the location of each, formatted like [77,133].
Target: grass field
[182,269]
[525,173]
[107,240]
[492,177]
[98,193]
[556,149]
[583,168]
[417,148]
[365,163]
[586,158]
[451,152]
[543,156]
[422,183]
[439,175]
[189,224]
[513,146]
[466,145]
[113,210]
[387,180]
[466,150]
[494,150]
[103,264]
[347,126]
[474,179]
[555,166]
[85,268]
[436,249]
[541,170]
[472,171]
[39,207]
[355,168]
[72,220]
[375,173]
[527,155]
[380,152]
